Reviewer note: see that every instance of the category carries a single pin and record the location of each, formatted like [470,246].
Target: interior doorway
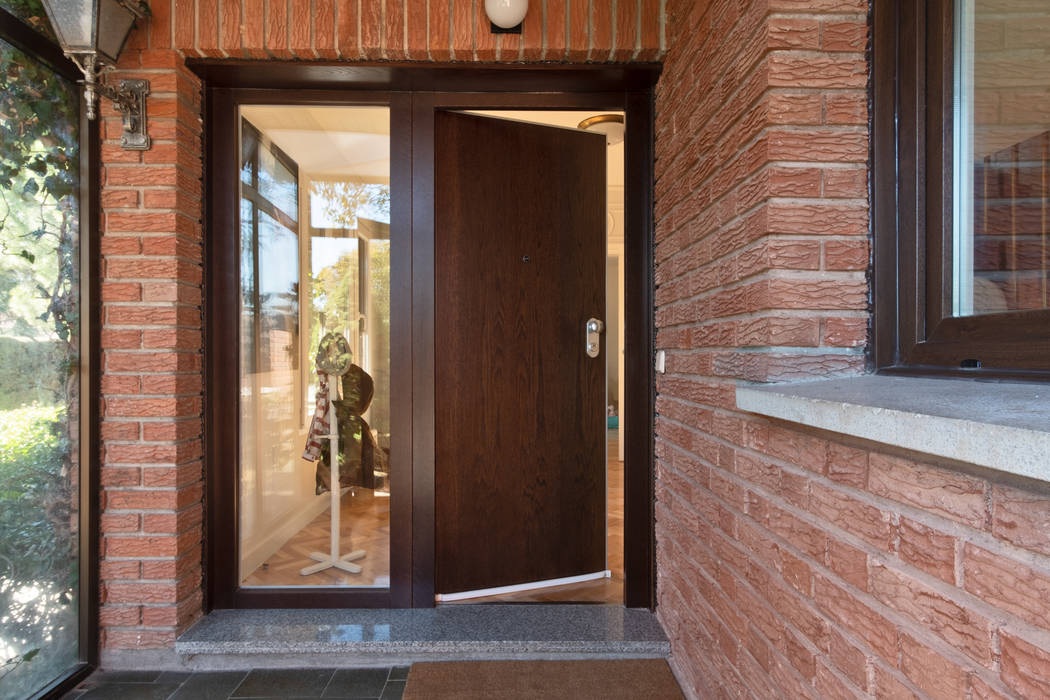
[540,480]
[238,295]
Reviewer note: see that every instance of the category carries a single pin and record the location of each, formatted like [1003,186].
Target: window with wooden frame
[961,187]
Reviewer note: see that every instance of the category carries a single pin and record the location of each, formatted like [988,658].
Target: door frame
[414,92]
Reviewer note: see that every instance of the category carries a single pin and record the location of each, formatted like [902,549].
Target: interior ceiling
[354,142]
[340,142]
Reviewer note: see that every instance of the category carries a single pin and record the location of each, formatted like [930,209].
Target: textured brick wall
[151,381]
[438,30]
[152,390]
[793,563]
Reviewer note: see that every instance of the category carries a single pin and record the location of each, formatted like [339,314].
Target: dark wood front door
[519,228]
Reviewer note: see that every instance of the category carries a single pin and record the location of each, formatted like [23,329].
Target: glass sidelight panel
[314,272]
[40,361]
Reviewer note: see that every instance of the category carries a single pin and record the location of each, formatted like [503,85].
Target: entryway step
[233,638]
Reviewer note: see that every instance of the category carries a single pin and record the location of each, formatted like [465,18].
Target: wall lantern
[92,34]
[506,15]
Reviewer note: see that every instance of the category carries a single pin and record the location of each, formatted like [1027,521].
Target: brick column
[151,385]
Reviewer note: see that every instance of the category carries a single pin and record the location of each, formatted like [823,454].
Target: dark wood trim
[426,77]
[91,348]
[912,163]
[59,688]
[639,498]
[485,87]
[401,289]
[423,404]
[220,358]
[639,534]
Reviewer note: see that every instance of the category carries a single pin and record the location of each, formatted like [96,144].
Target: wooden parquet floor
[366,525]
[365,519]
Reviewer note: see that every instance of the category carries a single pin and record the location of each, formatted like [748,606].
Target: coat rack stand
[333,559]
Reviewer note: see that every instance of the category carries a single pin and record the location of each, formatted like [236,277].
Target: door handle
[592,330]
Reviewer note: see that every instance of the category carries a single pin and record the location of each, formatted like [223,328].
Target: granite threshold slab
[230,638]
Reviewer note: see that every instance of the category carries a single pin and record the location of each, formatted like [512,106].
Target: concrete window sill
[999,425]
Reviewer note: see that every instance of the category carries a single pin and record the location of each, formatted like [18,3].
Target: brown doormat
[633,679]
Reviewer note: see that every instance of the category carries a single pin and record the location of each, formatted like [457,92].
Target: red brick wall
[793,563]
[152,390]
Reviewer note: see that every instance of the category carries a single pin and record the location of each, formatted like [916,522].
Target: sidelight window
[46,399]
[314,244]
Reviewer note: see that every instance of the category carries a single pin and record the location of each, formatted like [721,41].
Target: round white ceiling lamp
[609,124]
[506,13]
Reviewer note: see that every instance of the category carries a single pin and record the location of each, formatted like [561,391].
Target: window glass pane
[304,277]
[32,13]
[39,378]
[1002,156]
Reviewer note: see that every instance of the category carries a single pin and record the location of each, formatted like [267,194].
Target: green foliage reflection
[39,379]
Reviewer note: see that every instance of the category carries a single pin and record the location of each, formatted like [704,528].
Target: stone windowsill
[998,425]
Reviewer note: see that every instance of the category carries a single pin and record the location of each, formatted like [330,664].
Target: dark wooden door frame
[639,550]
[414,93]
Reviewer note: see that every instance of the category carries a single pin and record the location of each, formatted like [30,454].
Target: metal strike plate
[592,331]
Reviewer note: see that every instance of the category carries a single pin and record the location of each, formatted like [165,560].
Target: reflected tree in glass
[39,377]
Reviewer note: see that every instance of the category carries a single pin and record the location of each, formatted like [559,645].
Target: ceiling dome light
[506,13]
[609,124]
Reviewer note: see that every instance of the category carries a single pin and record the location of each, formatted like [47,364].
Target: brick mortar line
[151,210]
[968,665]
[765,314]
[831,14]
[732,188]
[744,44]
[155,443]
[752,245]
[766,349]
[967,534]
[741,646]
[694,622]
[792,593]
[896,508]
[903,622]
[771,274]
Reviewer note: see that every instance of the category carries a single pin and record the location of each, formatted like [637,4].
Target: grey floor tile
[123,677]
[130,691]
[357,683]
[399,673]
[283,683]
[393,691]
[173,676]
[210,685]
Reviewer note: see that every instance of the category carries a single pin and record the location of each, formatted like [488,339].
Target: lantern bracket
[129,99]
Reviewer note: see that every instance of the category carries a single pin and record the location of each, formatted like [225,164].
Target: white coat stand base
[326,562]
[334,560]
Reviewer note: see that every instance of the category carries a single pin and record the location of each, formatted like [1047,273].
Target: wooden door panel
[520,435]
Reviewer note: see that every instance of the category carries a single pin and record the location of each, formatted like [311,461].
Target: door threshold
[227,639]
[520,587]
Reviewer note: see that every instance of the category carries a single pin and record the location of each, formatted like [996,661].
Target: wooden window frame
[911,162]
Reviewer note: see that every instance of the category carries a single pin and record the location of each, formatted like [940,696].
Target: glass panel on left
[314,274]
[39,375]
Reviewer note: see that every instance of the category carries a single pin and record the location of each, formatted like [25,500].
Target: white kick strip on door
[519,587]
